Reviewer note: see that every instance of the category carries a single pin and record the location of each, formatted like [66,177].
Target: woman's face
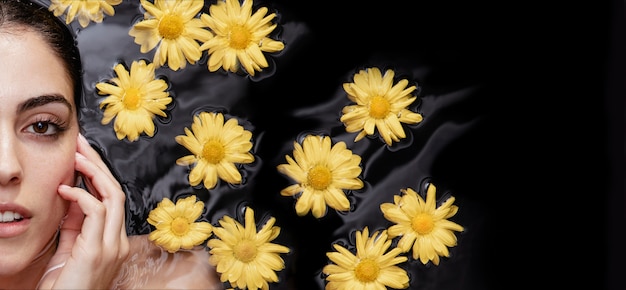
[38,131]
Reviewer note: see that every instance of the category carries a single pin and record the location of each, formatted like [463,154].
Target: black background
[547,167]
[556,74]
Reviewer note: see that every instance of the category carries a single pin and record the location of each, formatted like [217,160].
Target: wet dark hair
[58,35]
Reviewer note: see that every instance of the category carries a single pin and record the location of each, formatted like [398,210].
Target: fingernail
[82,138]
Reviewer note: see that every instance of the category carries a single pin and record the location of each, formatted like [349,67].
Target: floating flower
[379,105]
[176,226]
[240,37]
[373,267]
[173,28]
[134,98]
[322,174]
[86,10]
[421,225]
[216,147]
[244,257]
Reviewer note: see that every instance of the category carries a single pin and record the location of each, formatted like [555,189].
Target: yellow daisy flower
[373,267]
[176,226]
[85,10]
[244,257]
[173,28]
[322,174]
[422,225]
[240,37]
[134,98]
[379,105]
[216,147]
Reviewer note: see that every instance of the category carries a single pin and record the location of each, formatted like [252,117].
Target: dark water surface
[456,53]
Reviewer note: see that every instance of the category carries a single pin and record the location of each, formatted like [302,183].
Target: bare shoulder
[150,267]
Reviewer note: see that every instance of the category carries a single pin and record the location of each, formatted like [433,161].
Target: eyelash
[45,123]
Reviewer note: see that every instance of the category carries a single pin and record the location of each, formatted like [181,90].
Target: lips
[14,219]
[11,211]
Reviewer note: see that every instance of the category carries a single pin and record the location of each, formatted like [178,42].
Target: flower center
[239,37]
[422,223]
[180,226]
[319,177]
[379,107]
[132,99]
[213,151]
[245,251]
[367,270]
[171,26]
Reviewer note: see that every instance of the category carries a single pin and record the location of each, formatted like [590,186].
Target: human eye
[46,127]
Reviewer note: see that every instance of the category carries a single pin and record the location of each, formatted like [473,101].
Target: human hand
[93,243]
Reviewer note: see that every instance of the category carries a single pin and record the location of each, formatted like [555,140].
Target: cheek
[50,168]
[44,171]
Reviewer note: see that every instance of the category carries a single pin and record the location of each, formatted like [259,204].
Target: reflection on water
[280,105]
[146,263]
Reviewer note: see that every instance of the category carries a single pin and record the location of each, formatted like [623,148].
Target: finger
[113,203]
[112,198]
[84,148]
[91,230]
[90,188]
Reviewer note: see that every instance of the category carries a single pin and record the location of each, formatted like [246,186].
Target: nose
[10,168]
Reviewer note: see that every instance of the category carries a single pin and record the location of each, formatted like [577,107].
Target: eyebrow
[43,100]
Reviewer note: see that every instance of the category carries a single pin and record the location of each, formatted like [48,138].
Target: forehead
[30,67]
